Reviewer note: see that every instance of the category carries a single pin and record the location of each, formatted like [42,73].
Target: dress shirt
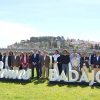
[15,56]
[97,58]
[6,61]
[34,55]
[44,57]
[24,59]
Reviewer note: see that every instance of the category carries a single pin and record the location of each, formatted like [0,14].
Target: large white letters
[14,74]
[53,75]
[76,76]
[63,77]
[84,77]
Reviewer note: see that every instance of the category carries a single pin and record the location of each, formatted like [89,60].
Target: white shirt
[44,57]
[97,58]
[6,61]
[34,55]
[15,56]
[24,59]
[55,57]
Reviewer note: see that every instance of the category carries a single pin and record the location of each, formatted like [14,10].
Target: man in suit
[40,70]
[7,61]
[96,62]
[45,61]
[91,59]
[84,63]
[15,61]
[35,63]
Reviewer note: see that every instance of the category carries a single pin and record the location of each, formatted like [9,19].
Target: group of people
[14,61]
[60,62]
[80,63]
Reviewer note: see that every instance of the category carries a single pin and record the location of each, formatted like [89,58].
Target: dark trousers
[20,67]
[40,70]
[59,68]
[37,70]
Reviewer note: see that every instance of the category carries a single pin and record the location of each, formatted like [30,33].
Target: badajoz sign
[55,77]
[15,74]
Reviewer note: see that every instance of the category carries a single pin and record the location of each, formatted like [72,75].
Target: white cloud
[11,33]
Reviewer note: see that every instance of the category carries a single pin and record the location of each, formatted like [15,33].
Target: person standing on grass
[15,61]
[91,59]
[84,63]
[72,56]
[45,61]
[7,61]
[40,70]
[35,63]
[30,60]
[96,62]
[21,56]
[65,59]
[75,64]
[55,61]
[25,61]
[10,61]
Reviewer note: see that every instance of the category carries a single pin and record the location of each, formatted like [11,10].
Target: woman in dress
[25,61]
[75,64]
[55,61]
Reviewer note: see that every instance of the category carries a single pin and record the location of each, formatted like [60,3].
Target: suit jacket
[15,62]
[36,59]
[45,62]
[39,57]
[0,57]
[9,60]
[96,62]
[23,63]
[30,59]
[82,61]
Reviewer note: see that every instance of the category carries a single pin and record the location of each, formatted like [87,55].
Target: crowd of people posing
[60,62]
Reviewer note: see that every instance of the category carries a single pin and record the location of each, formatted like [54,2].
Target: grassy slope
[42,90]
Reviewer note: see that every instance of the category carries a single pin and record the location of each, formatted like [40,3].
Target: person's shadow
[38,81]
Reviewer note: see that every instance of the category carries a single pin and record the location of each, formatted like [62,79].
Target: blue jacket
[36,59]
[96,62]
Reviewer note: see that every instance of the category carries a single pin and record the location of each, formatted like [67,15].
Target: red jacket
[23,63]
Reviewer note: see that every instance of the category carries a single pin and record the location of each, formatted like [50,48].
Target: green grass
[42,90]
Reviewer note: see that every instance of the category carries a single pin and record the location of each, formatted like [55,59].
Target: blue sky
[21,19]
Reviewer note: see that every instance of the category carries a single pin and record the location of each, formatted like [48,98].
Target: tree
[77,47]
[54,44]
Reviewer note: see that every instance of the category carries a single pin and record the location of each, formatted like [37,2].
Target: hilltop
[55,42]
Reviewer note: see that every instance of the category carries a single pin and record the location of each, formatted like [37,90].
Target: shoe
[42,78]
